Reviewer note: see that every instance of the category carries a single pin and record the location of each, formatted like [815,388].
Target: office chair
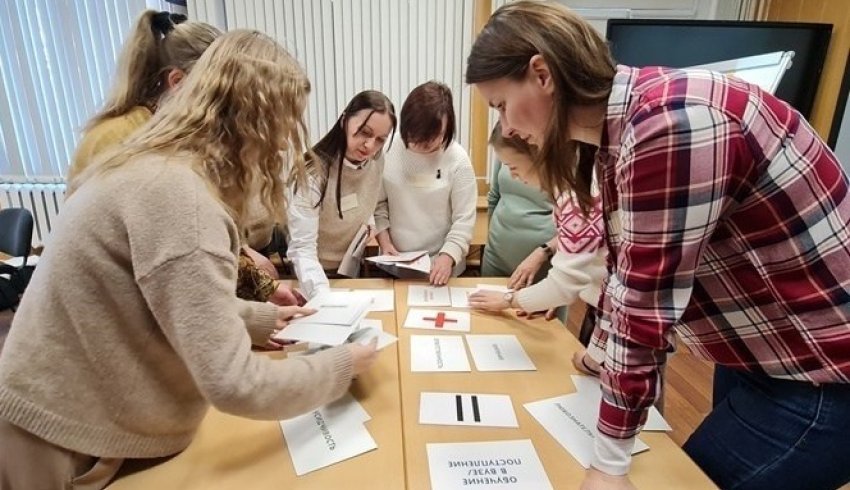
[15,240]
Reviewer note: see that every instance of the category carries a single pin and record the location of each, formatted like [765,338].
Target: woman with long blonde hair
[726,219]
[90,375]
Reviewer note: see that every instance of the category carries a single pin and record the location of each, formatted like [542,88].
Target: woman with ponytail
[92,376]
[727,221]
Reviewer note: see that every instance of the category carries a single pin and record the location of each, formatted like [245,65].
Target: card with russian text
[512,465]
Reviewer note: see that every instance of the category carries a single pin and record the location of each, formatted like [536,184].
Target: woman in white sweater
[429,186]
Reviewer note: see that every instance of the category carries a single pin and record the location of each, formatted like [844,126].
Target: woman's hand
[441,269]
[285,296]
[492,301]
[523,275]
[386,243]
[597,480]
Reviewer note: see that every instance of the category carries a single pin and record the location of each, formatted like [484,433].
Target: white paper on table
[654,420]
[571,420]
[319,334]
[326,436]
[345,406]
[438,353]
[365,335]
[460,296]
[475,409]
[499,465]
[379,299]
[454,321]
[335,308]
[493,287]
[418,295]
[498,353]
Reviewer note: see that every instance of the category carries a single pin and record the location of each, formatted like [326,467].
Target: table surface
[231,452]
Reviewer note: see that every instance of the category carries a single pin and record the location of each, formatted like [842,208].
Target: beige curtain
[754,9]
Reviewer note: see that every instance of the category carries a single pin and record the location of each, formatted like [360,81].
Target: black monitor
[682,43]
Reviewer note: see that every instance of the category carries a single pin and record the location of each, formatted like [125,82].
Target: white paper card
[401,257]
[466,409]
[589,384]
[438,353]
[379,299]
[326,436]
[499,465]
[460,296]
[319,334]
[455,321]
[571,420]
[335,308]
[371,323]
[428,296]
[498,353]
[493,287]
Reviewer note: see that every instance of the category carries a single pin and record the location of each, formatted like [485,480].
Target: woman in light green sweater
[130,329]
[521,226]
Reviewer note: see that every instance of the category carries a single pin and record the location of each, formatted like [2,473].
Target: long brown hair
[582,71]
[239,114]
[331,148]
[159,42]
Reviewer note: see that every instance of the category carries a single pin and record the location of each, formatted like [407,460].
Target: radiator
[43,197]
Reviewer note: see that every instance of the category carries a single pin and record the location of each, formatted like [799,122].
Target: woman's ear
[538,70]
[174,77]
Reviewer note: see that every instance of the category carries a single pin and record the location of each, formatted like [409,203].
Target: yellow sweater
[105,134]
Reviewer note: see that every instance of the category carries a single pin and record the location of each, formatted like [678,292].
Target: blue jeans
[765,432]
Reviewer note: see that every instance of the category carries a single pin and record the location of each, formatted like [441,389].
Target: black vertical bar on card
[459,405]
[476,415]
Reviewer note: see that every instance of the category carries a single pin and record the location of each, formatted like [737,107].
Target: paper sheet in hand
[401,257]
[326,436]
[417,261]
[437,353]
[498,353]
[590,385]
[350,264]
[319,334]
[460,296]
[428,296]
[456,321]
[466,409]
[335,308]
[571,420]
[510,465]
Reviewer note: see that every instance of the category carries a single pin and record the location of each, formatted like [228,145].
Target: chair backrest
[15,231]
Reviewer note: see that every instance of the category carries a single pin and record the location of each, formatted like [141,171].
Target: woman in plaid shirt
[727,222]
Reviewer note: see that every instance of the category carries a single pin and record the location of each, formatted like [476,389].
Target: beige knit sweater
[130,327]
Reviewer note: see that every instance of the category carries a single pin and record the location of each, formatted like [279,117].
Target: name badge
[348,202]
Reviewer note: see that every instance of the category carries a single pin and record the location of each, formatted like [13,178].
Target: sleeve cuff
[260,320]
[539,297]
[612,456]
[452,251]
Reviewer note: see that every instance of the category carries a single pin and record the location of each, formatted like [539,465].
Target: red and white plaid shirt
[726,219]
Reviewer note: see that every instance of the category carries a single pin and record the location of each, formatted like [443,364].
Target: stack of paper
[494,464]
[417,261]
[571,419]
[327,435]
[338,315]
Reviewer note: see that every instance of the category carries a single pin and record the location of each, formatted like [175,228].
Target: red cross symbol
[440,320]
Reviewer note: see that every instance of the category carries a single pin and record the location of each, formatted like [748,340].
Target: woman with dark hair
[726,220]
[429,186]
[344,172]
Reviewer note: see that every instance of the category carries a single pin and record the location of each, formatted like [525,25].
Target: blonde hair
[158,43]
[582,70]
[240,114]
